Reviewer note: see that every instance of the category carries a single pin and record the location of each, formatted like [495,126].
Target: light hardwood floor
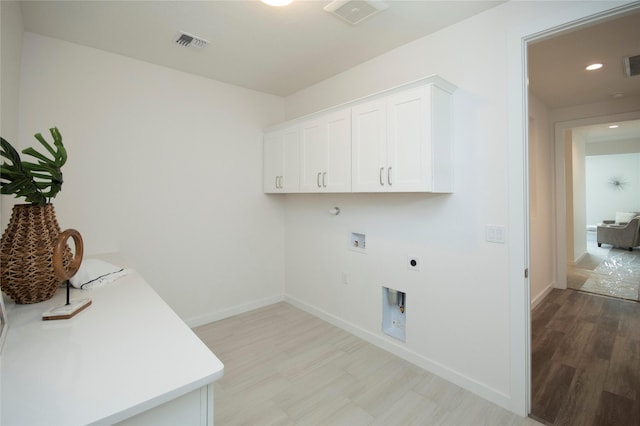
[284,366]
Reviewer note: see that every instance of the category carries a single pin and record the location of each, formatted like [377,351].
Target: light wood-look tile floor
[284,366]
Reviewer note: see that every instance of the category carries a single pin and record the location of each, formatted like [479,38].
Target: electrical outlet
[413,263]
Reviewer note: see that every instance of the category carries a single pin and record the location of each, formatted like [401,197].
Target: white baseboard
[432,366]
[579,258]
[233,310]
[540,297]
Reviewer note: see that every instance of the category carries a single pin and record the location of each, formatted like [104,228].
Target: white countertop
[126,353]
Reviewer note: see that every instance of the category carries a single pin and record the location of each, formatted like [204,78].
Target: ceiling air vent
[632,65]
[355,11]
[189,40]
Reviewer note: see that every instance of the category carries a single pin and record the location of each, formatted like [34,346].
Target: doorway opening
[557,224]
[603,254]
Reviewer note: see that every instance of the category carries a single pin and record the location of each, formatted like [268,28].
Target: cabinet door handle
[318,180]
[277,186]
[381,181]
[389,176]
[324,179]
[281,179]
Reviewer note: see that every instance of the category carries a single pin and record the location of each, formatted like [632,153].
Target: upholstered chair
[620,235]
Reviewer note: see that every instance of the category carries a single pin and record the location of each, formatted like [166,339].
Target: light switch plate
[495,233]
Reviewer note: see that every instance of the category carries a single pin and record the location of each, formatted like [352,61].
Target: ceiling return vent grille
[355,11]
[632,65]
[189,40]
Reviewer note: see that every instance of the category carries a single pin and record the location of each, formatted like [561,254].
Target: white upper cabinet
[326,153]
[369,146]
[399,140]
[402,142]
[282,161]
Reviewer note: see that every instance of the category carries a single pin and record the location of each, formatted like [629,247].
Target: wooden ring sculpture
[58,267]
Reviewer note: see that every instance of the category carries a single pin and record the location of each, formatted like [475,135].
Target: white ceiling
[283,50]
[252,45]
[557,74]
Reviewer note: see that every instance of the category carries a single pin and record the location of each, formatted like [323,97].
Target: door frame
[561,177]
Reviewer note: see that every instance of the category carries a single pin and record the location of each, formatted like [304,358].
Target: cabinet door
[273,165]
[408,149]
[194,408]
[313,144]
[290,181]
[368,147]
[326,153]
[338,168]
[281,161]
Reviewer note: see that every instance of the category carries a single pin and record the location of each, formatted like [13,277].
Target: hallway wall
[541,202]
[603,199]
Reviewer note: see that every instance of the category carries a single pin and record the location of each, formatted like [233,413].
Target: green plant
[37,182]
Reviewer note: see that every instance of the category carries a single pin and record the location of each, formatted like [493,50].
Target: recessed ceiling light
[277,3]
[592,67]
[614,126]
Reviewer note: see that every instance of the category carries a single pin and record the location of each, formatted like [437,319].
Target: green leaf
[12,187]
[9,152]
[39,137]
[31,180]
[32,152]
[61,154]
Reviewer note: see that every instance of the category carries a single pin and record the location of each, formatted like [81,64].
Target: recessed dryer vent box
[358,242]
[394,313]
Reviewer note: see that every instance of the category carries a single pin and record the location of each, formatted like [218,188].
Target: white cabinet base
[142,365]
[192,409]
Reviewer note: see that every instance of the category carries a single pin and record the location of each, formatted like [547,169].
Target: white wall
[462,275]
[11,51]
[10,54]
[623,146]
[459,304]
[603,200]
[542,206]
[164,167]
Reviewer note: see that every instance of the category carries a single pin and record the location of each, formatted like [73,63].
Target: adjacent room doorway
[559,224]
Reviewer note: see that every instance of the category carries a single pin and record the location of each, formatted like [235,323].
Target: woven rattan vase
[26,254]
